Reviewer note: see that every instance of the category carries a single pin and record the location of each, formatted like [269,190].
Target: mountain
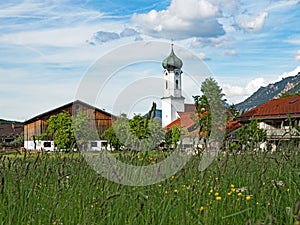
[290,85]
[2,121]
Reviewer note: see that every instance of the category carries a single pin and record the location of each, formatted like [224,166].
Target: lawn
[60,188]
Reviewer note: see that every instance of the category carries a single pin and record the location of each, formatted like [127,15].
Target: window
[94,144]
[47,144]
[166,84]
[176,84]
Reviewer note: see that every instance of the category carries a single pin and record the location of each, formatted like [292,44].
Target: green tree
[112,139]
[60,130]
[250,135]
[84,129]
[138,133]
[173,136]
[210,108]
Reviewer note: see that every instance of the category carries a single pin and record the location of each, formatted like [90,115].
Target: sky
[48,47]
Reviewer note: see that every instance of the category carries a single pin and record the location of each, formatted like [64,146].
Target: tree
[250,135]
[210,108]
[83,128]
[112,139]
[173,136]
[60,130]
[138,133]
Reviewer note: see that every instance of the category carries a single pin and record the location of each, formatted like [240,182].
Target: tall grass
[249,188]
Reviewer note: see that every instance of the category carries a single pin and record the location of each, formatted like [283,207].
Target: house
[9,131]
[38,124]
[279,117]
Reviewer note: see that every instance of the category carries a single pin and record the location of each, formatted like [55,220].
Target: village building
[280,118]
[9,132]
[38,124]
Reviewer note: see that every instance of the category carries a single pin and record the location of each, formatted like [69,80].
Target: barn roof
[35,118]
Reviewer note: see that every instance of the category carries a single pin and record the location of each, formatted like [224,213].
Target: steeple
[172,100]
[172,61]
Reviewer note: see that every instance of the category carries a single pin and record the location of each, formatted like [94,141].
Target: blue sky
[48,46]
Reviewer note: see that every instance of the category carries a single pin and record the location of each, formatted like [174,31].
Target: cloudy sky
[48,46]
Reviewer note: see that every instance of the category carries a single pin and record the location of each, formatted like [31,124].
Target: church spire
[172,61]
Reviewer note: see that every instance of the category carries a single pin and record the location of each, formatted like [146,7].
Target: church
[173,105]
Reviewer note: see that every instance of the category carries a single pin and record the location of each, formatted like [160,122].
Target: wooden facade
[38,124]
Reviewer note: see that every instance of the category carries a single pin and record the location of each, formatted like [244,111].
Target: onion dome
[172,61]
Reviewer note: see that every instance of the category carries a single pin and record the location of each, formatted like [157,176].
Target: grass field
[57,188]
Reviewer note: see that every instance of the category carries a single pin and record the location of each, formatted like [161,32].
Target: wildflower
[248,197]
[218,198]
[201,209]
[232,185]
[257,203]
[240,194]
[217,194]
[232,190]
[166,192]
[211,191]
[159,185]
[287,189]
[229,193]
[176,191]
[172,177]
[216,178]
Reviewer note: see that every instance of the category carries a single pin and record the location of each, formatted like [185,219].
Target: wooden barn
[38,124]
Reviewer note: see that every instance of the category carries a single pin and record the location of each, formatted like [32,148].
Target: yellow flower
[232,190]
[172,177]
[287,189]
[248,197]
[229,193]
[218,198]
[211,191]
[216,178]
[240,194]
[176,191]
[232,185]
[201,209]
[257,203]
[217,194]
[237,190]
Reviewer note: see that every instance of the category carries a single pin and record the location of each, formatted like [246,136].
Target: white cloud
[215,42]
[182,19]
[239,93]
[251,23]
[297,56]
[288,74]
[228,52]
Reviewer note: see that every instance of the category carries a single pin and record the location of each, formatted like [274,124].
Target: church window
[166,84]
[176,84]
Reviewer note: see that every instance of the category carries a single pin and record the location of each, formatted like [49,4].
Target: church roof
[172,61]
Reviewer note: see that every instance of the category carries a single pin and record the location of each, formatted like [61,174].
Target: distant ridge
[2,121]
[290,85]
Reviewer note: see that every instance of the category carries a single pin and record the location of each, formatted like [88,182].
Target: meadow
[61,188]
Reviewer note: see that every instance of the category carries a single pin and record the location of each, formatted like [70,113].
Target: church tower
[172,100]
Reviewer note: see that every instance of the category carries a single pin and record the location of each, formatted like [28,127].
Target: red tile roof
[276,108]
